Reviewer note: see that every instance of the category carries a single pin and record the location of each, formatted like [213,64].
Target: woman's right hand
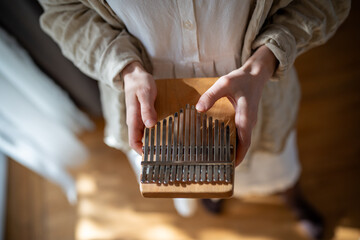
[140,94]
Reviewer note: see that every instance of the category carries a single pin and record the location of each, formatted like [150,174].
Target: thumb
[214,93]
[148,113]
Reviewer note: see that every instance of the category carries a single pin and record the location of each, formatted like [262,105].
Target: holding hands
[243,87]
[140,94]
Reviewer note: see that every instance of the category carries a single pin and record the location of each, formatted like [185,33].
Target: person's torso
[187,38]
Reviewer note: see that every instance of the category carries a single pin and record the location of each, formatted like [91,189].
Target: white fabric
[204,38]
[186,207]
[266,173]
[37,119]
[187,38]
[135,162]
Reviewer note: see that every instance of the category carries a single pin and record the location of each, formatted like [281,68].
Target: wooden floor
[110,206]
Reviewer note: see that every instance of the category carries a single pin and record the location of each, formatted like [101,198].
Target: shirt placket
[189,31]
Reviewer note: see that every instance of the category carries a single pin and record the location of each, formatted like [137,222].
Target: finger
[244,128]
[136,139]
[215,92]
[135,125]
[146,98]
[243,144]
[241,150]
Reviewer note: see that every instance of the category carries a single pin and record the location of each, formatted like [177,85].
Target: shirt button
[188,24]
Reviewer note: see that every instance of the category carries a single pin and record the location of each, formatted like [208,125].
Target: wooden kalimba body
[187,153]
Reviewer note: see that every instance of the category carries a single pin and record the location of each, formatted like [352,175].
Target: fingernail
[199,107]
[149,123]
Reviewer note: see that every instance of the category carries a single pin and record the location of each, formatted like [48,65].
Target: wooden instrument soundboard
[187,153]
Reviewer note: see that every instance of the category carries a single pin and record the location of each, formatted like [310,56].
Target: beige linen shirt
[92,35]
[186,39]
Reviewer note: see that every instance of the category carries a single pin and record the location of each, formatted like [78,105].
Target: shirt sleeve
[97,48]
[299,26]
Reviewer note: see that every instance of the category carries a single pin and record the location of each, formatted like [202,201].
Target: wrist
[263,63]
[131,68]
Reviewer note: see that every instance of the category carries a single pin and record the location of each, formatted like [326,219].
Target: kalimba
[187,153]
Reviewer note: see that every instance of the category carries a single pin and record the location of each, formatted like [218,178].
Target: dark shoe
[213,206]
[309,218]
[313,229]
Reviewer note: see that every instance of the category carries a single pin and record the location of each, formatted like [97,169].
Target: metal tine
[146,155]
[211,140]
[163,151]
[181,142]
[192,143]
[222,141]
[203,150]
[152,136]
[228,156]
[210,150]
[198,145]
[168,152]
[186,148]
[157,154]
[216,150]
[174,147]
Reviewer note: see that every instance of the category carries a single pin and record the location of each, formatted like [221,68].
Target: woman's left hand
[243,87]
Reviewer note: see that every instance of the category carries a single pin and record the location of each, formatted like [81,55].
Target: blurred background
[109,204]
